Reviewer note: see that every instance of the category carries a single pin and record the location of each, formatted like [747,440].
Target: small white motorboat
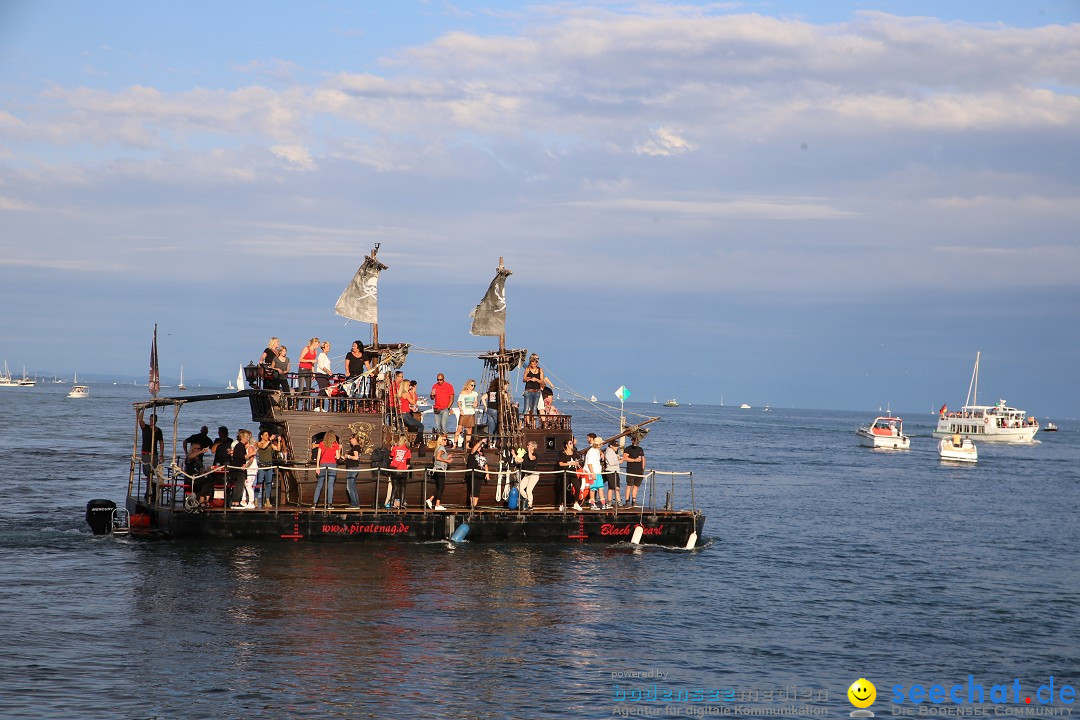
[77,390]
[885,432]
[957,449]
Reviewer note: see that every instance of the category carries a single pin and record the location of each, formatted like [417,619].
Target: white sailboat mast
[973,386]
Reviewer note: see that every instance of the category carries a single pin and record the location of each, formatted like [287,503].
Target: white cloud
[663,141]
[13,205]
[760,208]
[589,120]
[296,155]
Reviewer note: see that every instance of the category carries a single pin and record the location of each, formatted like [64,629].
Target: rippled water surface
[823,562]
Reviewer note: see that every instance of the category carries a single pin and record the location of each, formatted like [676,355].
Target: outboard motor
[99,516]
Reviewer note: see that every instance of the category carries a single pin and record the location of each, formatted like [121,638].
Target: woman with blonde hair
[441,464]
[251,468]
[323,368]
[307,365]
[270,352]
[467,403]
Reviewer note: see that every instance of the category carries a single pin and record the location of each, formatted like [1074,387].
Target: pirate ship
[161,500]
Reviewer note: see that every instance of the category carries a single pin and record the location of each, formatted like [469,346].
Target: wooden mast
[502,335]
[375,325]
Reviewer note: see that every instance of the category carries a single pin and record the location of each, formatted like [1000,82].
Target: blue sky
[828,205]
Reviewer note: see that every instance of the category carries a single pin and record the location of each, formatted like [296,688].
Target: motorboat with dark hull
[161,501]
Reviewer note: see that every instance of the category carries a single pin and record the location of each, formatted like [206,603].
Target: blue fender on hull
[460,533]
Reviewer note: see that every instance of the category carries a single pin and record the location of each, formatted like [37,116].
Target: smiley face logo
[862,693]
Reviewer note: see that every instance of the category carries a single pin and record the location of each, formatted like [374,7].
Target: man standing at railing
[152,450]
[634,456]
[442,397]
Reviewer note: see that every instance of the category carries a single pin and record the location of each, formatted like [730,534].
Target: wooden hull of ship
[486,525]
[293,518]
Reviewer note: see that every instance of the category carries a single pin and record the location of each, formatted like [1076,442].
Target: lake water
[823,562]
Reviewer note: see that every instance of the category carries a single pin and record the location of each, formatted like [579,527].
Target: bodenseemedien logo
[862,694]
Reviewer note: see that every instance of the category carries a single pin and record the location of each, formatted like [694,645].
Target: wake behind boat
[989,423]
[886,431]
[163,498]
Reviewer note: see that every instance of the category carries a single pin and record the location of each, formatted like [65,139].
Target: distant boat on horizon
[25,382]
[672,403]
[181,386]
[77,390]
[5,378]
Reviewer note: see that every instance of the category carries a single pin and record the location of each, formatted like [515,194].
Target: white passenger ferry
[989,423]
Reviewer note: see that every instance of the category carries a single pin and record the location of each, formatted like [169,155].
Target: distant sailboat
[6,379]
[654,400]
[240,379]
[181,386]
[230,386]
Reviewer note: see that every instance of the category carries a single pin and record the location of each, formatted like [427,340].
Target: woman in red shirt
[307,365]
[399,463]
[329,453]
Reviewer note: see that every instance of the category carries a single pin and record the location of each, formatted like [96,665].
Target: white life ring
[986,421]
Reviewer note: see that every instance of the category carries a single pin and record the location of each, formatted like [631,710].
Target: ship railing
[546,422]
[361,386]
[322,403]
[174,488]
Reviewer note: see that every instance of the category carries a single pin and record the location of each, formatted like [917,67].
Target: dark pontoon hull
[666,528]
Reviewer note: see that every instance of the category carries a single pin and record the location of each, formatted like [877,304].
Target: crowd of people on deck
[473,409]
[246,467]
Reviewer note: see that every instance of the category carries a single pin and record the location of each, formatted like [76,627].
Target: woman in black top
[529,464]
[476,464]
[534,383]
[352,467]
[567,462]
[281,369]
[354,360]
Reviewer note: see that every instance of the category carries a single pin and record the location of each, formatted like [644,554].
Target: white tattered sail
[489,317]
[360,300]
